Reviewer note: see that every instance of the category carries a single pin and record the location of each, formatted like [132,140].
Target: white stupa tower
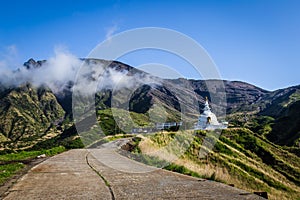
[208,120]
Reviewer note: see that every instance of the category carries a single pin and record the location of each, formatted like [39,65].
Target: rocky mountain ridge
[29,112]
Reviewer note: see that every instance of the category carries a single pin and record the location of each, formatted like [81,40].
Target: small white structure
[208,120]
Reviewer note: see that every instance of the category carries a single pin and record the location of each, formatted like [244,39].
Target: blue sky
[255,41]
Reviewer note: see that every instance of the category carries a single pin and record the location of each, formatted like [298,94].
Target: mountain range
[259,150]
[29,113]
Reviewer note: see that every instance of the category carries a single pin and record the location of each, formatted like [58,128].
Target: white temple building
[208,120]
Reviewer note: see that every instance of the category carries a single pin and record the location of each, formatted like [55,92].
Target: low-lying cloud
[55,72]
[64,69]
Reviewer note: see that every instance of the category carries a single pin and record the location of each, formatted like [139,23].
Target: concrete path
[84,174]
[65,176]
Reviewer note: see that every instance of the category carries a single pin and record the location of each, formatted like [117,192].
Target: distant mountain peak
[31,63]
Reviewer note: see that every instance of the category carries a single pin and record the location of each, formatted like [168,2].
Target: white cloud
[111,31]
[54,73]
[9,56]
[63,68]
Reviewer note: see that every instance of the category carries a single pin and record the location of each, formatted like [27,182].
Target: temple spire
[206,105]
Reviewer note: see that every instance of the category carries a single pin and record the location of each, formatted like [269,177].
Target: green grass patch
[115,137]
[249,158]
[260,175]
[182,170]
[13,162]
[25,155]
[107,119]
[162,138]
[6,171]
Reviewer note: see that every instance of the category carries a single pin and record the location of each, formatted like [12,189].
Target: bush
[182,170]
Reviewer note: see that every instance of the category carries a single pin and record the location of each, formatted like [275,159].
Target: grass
[111,119]
[8,170]
[116,121]
[25,155]
[115,137]
[13,162]
[182,170]
[137,155]
[240,157]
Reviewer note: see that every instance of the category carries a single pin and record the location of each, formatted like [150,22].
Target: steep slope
[276,102]
[283,106]
[28,113]
[243,96]
[239,157]
[286,128]
[240,96]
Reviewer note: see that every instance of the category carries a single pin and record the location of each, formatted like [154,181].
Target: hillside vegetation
[28,115]
[239,157]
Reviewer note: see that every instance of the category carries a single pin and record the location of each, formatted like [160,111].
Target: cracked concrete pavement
[104,174]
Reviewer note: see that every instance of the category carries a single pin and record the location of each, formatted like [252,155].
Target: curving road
[84,174]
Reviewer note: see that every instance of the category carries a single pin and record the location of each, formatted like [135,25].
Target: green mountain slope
[286,128]
[275,103]
[28,114]
[239,157]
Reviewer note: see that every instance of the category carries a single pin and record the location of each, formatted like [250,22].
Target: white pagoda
[208,120]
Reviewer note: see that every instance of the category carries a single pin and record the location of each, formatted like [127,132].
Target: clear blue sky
[257,41]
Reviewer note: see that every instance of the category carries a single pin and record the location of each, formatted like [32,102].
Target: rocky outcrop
[31,63]
[26,113]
